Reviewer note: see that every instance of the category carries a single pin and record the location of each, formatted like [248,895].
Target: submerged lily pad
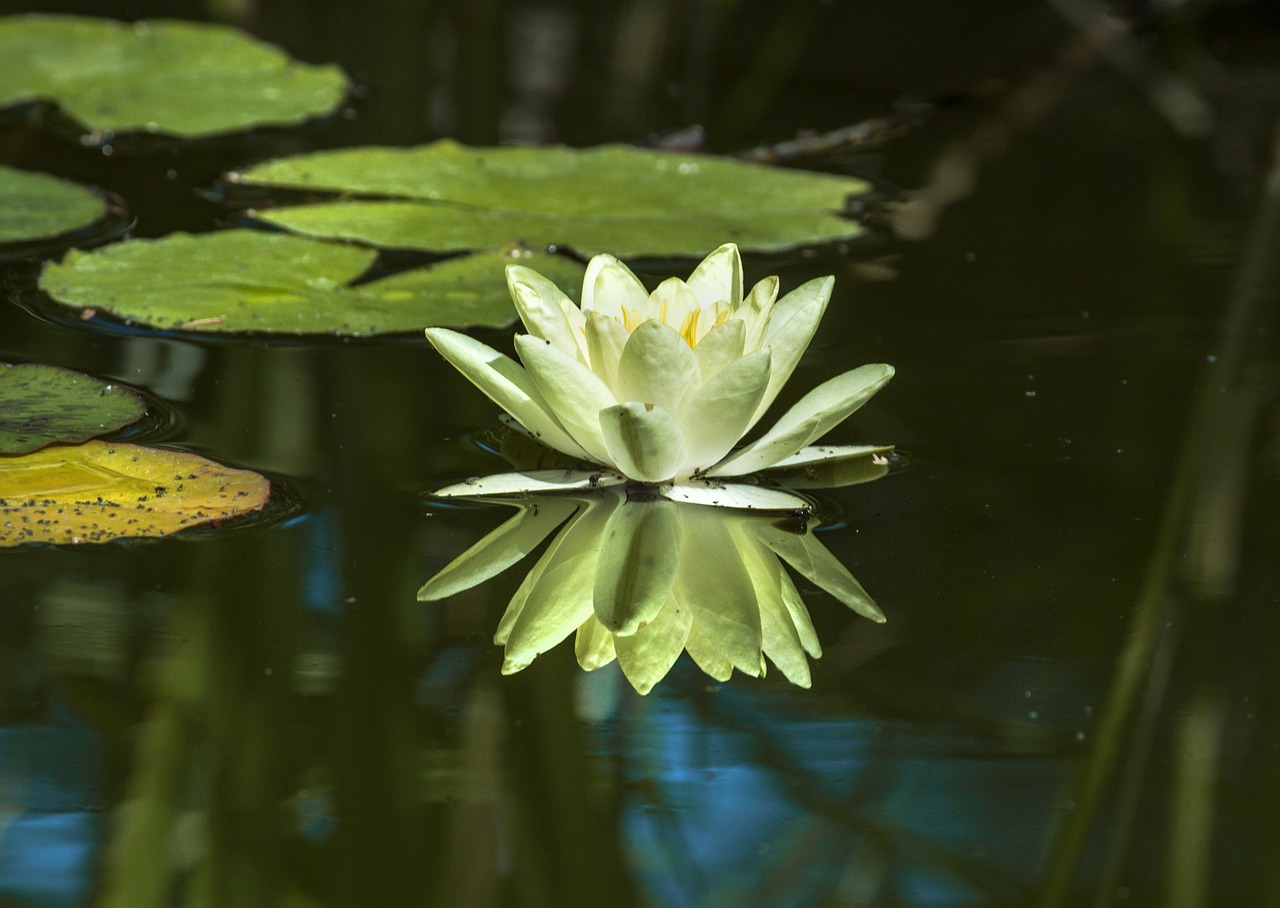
[247,280]
[617,199]
[41,404]
[180,78]
[100,491]
[35,206]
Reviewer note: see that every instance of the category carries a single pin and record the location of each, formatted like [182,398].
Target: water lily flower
[660,388]
[643,581]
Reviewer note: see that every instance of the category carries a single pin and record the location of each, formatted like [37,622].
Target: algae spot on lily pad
[179,78]
[36,206]
[612,198]
[100,491]
[248,280]
[42,404]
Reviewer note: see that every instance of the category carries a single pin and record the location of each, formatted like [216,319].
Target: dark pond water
[1074,700]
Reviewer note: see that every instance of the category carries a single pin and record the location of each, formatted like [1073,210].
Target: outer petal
[643,442]
[560,599]
[546,311]
[657,367]
[500,549]
[831,466]
[716,415]
[735,495]
[715,584]
[812,559]
[718,278]
[609,285]
[756,311]
[648,655]
[574,393]
[506,384]
[638,565]
[813,415]
[781,642]
[704,652]
[593,645]
[829,453]
[529,482]
[791,327]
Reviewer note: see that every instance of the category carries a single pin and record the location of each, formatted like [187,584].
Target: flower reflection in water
[640,578]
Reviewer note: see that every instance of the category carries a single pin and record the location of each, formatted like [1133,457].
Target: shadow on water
[1073,700]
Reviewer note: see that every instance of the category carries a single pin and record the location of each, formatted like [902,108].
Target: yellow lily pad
[100,491]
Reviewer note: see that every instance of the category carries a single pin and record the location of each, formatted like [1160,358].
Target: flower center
[634,318]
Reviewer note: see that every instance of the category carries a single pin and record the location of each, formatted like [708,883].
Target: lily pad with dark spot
[42,404]
[101,491]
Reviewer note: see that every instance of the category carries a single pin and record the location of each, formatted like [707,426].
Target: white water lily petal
[647,655]
[703,651]
[546,311]
[756,311]
[812,416]
[527,482]
[813,561]
[791,328]
[550,557]
[720,346]
[800,619]
[638,564]
[593,645]
[811,471]
[609,286]
[506,384]
[643,442]
[718,277]
[715,415]
[780,640]
[719,592]
[657,367]
[606,339]
[499,549]
[673,302]
[735,495]
[829,453]
[560,600]
[574,393]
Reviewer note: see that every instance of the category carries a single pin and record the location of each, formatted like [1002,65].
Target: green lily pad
[247,280]
[617,199]
[180,78]
[41,404]
[35,206]
[100,491]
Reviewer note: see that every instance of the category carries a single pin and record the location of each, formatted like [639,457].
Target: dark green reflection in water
[269,718]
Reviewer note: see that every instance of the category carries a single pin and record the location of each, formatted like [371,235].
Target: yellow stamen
[689,328]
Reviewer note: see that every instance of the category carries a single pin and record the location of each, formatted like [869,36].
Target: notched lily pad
[100,491]
[41,405]
[36,206]
[247,280]
[617,199]
[178,78]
